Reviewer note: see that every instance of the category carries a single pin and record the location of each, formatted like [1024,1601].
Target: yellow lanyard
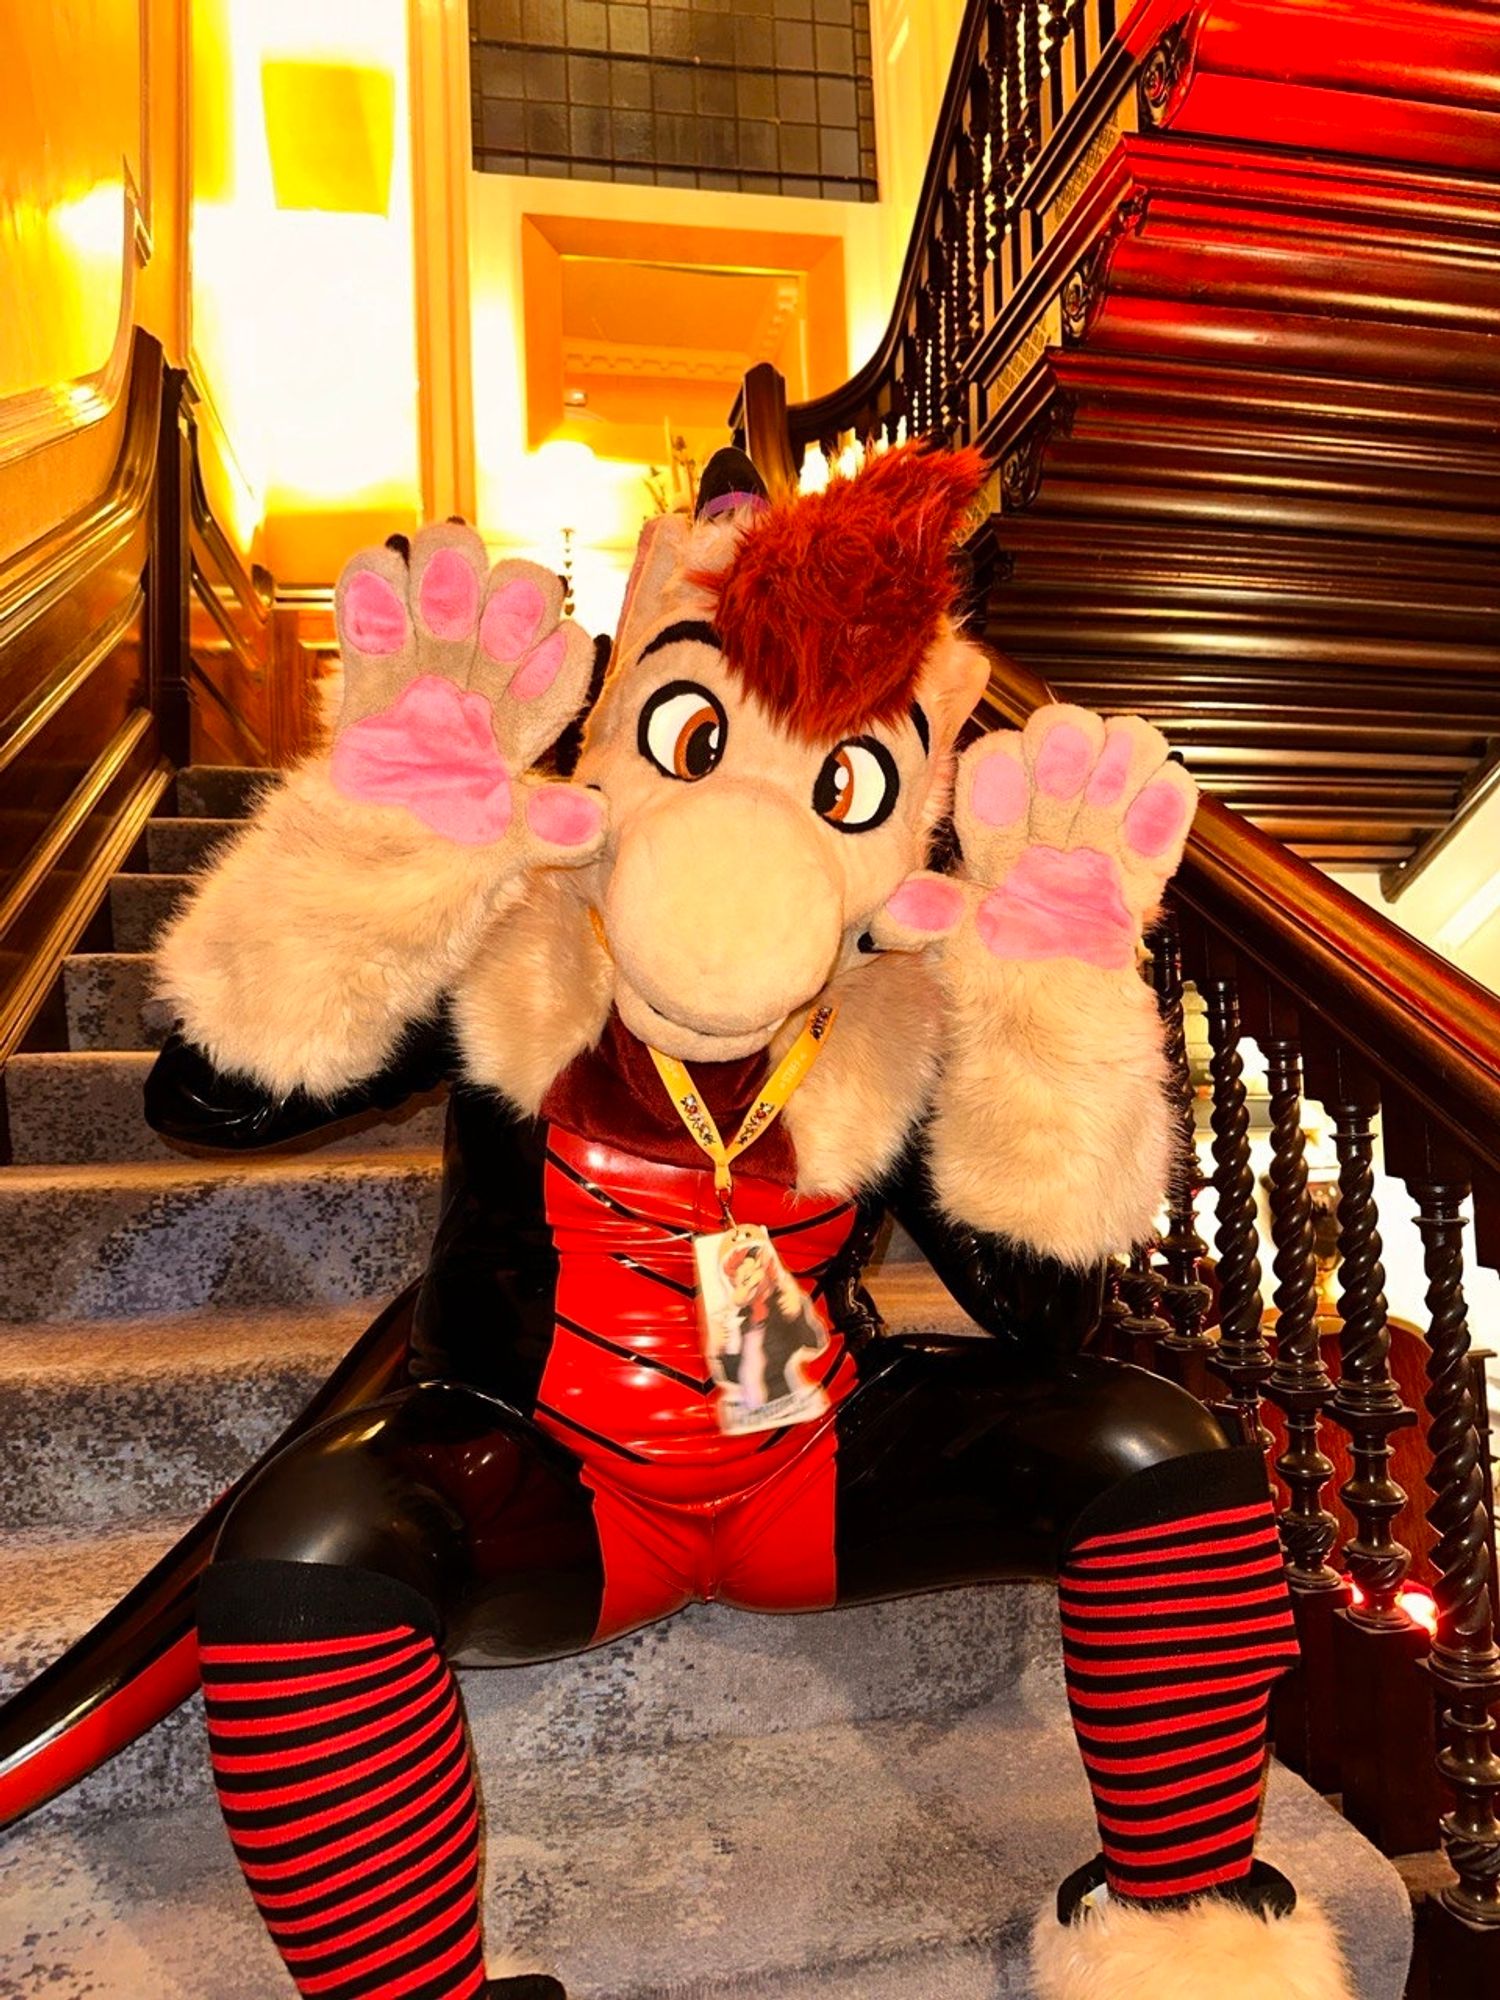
[763,1113]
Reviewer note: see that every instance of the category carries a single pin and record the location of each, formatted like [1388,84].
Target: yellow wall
[302,323]
[303,316]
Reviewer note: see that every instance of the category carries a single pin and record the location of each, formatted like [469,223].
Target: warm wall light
[331,131]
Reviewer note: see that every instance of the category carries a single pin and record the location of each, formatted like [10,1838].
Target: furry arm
[1051,1124]
[362,888]
[326,929]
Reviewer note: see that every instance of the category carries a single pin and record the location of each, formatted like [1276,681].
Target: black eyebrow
[698,631]
[919,723]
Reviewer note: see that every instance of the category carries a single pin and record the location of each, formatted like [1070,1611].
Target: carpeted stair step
[121,1241]
[141,906]
[220,791]
[882,1859]
[184,846]
[107,995]
[121,1423]
[75,1109]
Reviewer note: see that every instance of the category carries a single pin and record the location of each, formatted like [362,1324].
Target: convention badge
[759,1331]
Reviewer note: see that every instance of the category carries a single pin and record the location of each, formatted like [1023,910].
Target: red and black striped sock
[343,1772]
[1176,1620]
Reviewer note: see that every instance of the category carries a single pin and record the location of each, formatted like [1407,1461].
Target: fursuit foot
[1252,1940]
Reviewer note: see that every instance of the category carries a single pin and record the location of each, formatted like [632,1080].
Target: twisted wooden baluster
[1464,1660]
[1185,1298]
[975,168]
[958,219]
[994,181]
[1243,1358]
[1299,1385]
[1113,1314]
[926,344]
[940,293]
[1142,1327]
[1015,107]
[1367,1402]
[1031,84]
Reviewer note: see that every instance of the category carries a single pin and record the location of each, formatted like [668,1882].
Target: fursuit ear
[730,483]
[954,675]
[658,555]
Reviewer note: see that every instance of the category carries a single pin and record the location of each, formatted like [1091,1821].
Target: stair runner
[853,1806]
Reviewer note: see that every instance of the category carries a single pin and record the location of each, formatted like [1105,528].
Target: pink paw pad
[510,620]
[1000,791]
[1057,904]
[1156,820]
[433,752]
[925,904]
[1110,773]
[563,815]
[373,617]
[449,596]
[1063,761]
[538,673]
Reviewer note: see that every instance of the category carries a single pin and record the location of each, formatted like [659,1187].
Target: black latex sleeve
[188,1099]
[1043,1309]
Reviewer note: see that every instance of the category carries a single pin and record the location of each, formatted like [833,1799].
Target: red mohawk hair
[832,599]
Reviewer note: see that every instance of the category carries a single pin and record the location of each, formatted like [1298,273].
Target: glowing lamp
[331,131]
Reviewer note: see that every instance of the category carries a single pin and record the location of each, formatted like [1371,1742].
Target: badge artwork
[758,1327]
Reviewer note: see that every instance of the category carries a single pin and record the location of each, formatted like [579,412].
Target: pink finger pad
[1111,771]
[540,671]
[925,903]
[565,816]
[1156,819]
[433,752]
[372,616]
[449,596]
[1063,761]
[1000,790]
[511,619]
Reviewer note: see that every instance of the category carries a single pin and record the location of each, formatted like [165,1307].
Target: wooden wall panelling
[80,756]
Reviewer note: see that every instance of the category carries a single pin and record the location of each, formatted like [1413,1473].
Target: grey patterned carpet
[856,1806]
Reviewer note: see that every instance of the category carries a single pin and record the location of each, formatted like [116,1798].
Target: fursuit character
[531,1456]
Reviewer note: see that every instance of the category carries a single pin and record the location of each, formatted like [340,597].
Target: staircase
[855,1807]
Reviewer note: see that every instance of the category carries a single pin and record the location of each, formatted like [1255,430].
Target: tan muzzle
[721,909]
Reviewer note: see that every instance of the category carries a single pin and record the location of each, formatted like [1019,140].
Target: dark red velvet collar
[613,1094]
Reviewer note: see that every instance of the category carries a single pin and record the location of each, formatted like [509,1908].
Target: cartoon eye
[858,785]
[683,731]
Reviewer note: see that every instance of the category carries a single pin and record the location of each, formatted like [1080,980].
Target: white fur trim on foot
[1213,1949]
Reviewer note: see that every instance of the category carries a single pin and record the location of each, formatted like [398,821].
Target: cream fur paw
[1213,1949]
[364,886]
[1051,1121]
[1077,824]
[456,678]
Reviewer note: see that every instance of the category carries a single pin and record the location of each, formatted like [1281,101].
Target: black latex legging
[440,1519]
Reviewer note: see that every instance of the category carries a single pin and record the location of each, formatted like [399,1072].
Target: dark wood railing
[82,761]
[1401,1051]
[1001,207]
[132,638]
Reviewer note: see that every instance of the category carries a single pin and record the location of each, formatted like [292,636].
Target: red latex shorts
[684,1509]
